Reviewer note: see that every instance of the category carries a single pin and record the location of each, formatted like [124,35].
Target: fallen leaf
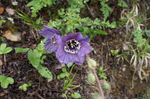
[10,11]
[1,10]
[11,36]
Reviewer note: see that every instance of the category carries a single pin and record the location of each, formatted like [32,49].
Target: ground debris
[15,37]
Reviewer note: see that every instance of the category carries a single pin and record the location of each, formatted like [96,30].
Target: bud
[91,62]
[91,78]
[96,95]
[106,85]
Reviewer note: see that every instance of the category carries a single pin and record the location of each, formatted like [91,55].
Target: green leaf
[76,95]
[21,50]
[101,73]
[62,75]
[25,86]
[114,52]
[7,50]
[37,5]
[5,81]
[4,49]
[122,3]
[106,10]
[45,73]
[3,46]
[36,59]
[99,32]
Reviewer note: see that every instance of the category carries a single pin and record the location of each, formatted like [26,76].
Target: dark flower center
[72,46]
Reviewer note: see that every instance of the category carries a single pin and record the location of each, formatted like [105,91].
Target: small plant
[35,23]
[114,52]
[68,81]
[101,73]
[25,86]
[63,74]
[36,59]
[4,49]
[106,10]
[76,95]
[141,54]
[5,81]
[140,50]
[37,5]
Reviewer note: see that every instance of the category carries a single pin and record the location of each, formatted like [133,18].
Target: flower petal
[76,36]
[85,49]
[48,32]
[64,57]
[79,57]
[49,46]
[80,60]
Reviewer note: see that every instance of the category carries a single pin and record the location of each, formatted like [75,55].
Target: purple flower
[52,38]
[73,49]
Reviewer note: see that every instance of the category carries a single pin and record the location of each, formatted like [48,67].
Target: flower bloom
[73,48]
[52,38]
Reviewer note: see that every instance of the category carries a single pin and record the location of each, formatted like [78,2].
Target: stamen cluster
[72,46]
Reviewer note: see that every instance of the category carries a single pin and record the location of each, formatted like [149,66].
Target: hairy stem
[99,85]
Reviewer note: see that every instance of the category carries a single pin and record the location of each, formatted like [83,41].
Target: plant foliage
[24,86]
[37,5]
[122,3]
[141,42]
[4,49]
[69,20]
[36,59]
[5,81]
[21,50]
[106,10]
[35,23]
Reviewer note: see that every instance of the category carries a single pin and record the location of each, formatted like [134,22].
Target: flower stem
[98,84]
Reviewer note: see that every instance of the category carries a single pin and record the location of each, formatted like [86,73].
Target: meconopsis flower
[73,49]
[52,38]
